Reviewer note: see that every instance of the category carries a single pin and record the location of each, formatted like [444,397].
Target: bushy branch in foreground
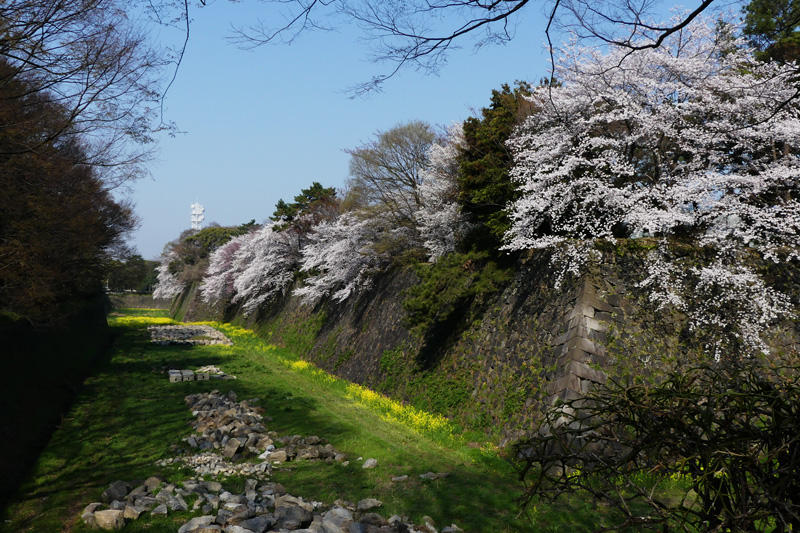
[726,437]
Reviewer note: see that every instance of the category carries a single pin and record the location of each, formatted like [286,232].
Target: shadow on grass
[128,417]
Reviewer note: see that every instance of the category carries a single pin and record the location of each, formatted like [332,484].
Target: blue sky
[262,124]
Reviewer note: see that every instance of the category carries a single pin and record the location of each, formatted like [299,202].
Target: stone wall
[531,346]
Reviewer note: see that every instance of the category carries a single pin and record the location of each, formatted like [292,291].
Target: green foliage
[209,239]
[435,390]
[298,334]
[194,248]
[316,201]
[773,27]
[43,370]
[132,274]
[59,224]
[455,287]
[485,187]
[385,172]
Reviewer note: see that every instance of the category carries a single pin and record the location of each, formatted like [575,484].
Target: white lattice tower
[198,214]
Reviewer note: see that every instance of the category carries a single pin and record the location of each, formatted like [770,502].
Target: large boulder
[196,523]
[110,519]
[258,524]
[338,517]
[116,491]
[231,447]
[369,503]
[278,456]
[292,517]
[88,514]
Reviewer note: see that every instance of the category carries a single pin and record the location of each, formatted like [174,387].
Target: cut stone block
[201,376]
[584,371]
[569,381]
[188,375]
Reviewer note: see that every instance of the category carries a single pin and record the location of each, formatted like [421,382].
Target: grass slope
[128,416]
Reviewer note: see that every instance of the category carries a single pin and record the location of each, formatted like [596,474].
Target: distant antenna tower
[198,214]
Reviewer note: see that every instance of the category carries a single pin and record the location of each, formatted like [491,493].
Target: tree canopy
[773,27]
[485,188]
[59,225]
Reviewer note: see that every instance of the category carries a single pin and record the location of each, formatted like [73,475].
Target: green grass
[139,311]
[128,416]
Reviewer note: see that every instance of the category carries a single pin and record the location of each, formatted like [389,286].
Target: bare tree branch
[420,33]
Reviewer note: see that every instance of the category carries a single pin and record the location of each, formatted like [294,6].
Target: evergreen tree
[485,186]
[773,27]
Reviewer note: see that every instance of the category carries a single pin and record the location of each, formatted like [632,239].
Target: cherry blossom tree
[694,140]
[342,257]
[217,285]
[263,267]
[440,222]
[168,284]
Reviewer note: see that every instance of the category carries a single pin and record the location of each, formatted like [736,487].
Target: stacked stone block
[579,352]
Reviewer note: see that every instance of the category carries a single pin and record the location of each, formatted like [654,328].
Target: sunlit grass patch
[388,409]
[394,411]
[139,321]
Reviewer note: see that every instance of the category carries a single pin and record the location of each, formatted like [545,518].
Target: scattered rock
[110,519]
[430,476]
[428,524]
[288,500]
[160,510]
[292,517]
[177,503]
[368,503]
[145,503]
[116,491]
[152,483]
[213,486]
[131,513]
[231,448]
[278,456]
[196,523]
[88,514]
[228,430]
[237,529]
[258,524]
[117,505]
[339,517]
[373,519]
[237,429]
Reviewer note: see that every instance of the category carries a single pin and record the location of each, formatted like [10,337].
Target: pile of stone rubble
[262,507]
[187,335]
[237,431]
[201,374]
[228,434]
